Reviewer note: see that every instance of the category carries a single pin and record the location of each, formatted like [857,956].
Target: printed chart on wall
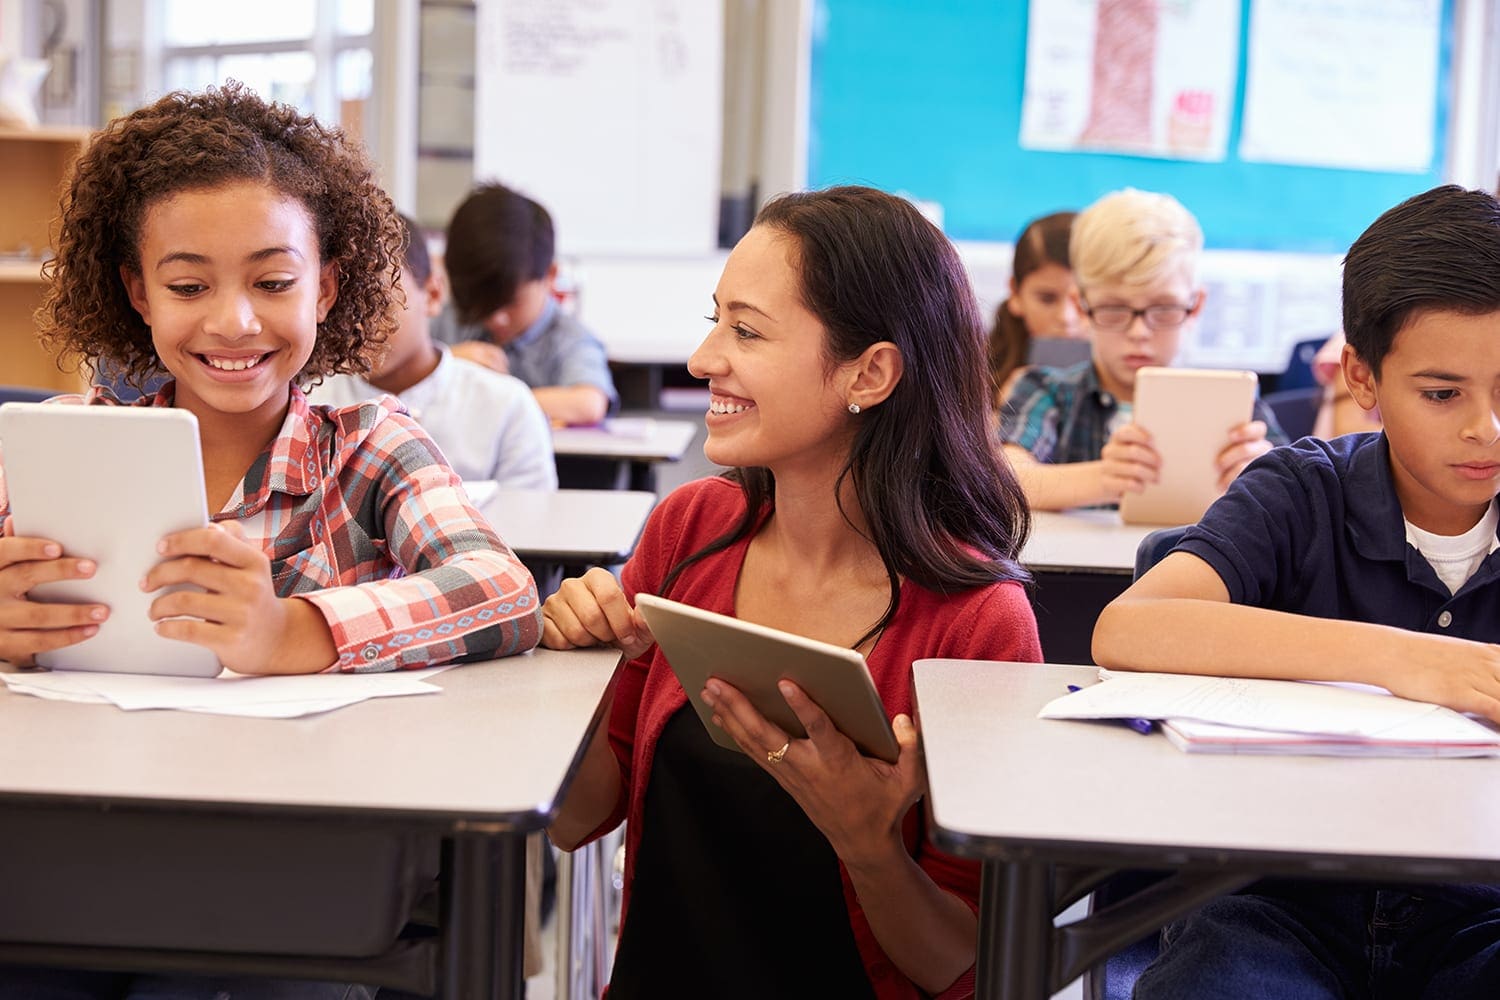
[1131,76]
[607,112]
[1342,84]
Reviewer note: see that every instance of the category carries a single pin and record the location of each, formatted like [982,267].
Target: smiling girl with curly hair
[245,251]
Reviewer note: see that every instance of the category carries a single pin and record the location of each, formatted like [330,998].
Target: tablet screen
[700,644]
[107,482]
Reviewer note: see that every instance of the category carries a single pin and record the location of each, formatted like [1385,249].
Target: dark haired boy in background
[501,268]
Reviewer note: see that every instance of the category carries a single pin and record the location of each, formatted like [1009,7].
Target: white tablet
[107,482]
[701,644]
[1189,413]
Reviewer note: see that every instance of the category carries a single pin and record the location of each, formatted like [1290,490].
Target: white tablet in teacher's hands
[107,483]
[701,644]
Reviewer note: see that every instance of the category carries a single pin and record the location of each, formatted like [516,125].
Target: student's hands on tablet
[237,614]
[591,610]
[856,801]
[1128,462]
[29,627]
[1247,442]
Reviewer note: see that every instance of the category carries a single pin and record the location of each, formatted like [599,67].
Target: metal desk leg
[1015,931]
[484,917]
[582,958]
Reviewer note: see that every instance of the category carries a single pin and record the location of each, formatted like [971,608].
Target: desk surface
[495,747]
[572,526]
[1004,782]
[1083,541]
[632,439]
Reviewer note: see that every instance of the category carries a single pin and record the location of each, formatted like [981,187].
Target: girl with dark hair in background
[1043,299]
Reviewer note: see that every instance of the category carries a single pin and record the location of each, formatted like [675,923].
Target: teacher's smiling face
[775,398]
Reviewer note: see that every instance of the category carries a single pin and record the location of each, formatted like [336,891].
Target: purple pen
[1143,726]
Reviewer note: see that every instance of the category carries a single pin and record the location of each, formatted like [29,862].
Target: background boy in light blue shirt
[501,269]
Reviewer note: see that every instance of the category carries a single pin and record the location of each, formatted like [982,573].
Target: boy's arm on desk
[572,405]
[1058,487]
[1178,619]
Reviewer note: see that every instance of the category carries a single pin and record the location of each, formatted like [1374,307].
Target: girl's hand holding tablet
[236,614]
[856,801]
[29,627]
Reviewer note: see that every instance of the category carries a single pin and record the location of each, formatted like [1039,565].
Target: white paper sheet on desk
[1284,706]
[227,694]
[630,427]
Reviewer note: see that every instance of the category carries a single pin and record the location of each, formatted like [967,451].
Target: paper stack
[1241,715]
[228,694]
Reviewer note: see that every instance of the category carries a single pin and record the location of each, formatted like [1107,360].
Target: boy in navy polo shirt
[1369,557]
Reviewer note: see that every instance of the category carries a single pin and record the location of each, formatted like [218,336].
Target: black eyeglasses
[1158,317]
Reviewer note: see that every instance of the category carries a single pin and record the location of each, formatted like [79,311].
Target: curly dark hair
[200,141]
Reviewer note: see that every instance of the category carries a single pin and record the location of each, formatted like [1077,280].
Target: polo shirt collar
[542,322]
[1374,521]
[1376,524]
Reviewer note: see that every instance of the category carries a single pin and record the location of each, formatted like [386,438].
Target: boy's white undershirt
[1455,558]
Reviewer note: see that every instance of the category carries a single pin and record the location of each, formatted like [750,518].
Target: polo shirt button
[370,653]
[1445,619]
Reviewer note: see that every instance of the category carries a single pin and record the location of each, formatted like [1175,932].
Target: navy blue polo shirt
[1315,528]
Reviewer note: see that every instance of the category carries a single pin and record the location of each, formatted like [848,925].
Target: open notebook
[1240,715]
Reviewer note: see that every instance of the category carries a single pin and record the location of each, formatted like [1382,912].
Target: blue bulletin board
[924,97]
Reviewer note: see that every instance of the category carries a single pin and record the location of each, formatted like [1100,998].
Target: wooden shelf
[25,271]
[37,162]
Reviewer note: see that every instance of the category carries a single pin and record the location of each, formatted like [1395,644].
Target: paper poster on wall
[1342,83]
[1131,76]
[607,112]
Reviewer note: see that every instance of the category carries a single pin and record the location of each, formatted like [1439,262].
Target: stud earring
[853,407]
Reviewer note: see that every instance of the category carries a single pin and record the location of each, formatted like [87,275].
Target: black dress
[736,893]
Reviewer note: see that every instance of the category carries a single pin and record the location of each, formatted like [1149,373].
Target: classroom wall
[927,98]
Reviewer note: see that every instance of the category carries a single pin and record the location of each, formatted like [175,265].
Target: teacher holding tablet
[864,508]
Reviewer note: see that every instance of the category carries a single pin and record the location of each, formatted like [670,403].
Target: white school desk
[1052,808]
[1080,561]
[479,766]
[574,527]
[634,443]
[1083,541]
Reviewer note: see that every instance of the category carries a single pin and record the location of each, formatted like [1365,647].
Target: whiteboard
[608,112]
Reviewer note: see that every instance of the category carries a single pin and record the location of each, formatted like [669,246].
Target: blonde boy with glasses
[1068,431]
